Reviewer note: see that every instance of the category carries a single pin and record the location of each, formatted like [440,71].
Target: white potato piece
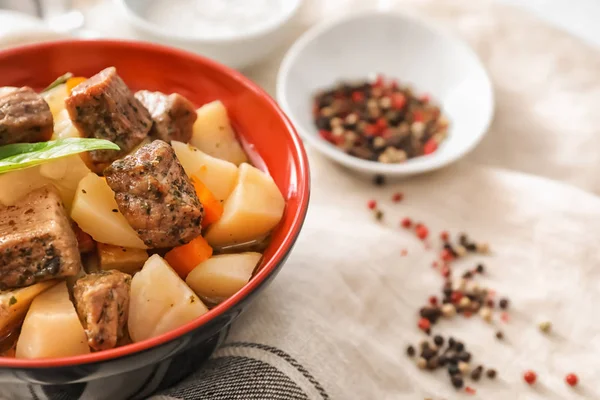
[219,176]
[214,135]
[55,98]
[7,89]
[15,303]
[16,184]
[51,327]
[63,126]
[160,301]
[221,276]
[254,208]
[95,211]
[65,173]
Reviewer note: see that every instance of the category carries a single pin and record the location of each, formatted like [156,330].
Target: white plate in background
[431,60]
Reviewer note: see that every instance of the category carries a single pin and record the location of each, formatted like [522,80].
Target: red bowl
[266,133]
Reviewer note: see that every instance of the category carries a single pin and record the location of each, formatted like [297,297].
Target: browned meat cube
[173,115]
[103,107]
[37,242]
[25,117]
[156,196]
[102,303]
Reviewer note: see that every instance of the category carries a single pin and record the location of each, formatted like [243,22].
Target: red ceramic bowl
[267,135]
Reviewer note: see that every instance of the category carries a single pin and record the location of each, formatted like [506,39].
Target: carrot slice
[213,209]
[72,82]
[183,259]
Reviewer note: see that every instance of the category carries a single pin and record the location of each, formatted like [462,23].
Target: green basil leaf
[58,81]
[24,155]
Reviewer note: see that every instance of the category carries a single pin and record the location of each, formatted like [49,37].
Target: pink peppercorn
[372,204]
[422,231]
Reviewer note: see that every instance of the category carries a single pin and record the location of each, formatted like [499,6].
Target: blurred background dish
[356,46]
[18,28]
[233,32]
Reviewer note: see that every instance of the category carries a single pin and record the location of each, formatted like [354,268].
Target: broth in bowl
[122,215]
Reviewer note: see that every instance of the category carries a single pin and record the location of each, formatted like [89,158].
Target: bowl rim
[303,194]
[159,31]
[427,162]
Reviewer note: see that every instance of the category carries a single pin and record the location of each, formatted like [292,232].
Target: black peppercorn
[464,356]
[471,247]
[432,363]
[503,303]
[462,239]
[438,340]
[476,373]
[499,335]
[451,342]
[457,381]
[442,360]
[453,369]
[427,353]
[491,373]
[480,268]
[410,351]
[467,275]
[459,346]
[379,180]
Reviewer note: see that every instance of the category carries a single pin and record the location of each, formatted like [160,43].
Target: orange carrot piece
[213,209]
[72,82]
[183,259]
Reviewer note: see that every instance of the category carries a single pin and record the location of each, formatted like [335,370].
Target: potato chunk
[254,208]
[95,211]
[123,259]
[221,276]
[15,303]
[214,135]
[51,327]
[219,176]
[160,301]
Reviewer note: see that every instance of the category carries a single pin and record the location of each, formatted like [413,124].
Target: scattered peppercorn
[421,231]
[453,369]
[476,373]
[480,268]
[406,222]
[499,335]
[463,367]
[379,180]
[438,340]
[378,215]
[372,204]
[530,377]
[503,303]
[410,351]
[545,326]
[424,324]
[470,390]
[457,381]
[464,356]
[459,346]
[491,373]
[445,236]
[571,379]
[397,197]
[433,300]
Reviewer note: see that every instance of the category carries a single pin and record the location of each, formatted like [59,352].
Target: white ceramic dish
[237,51]
[396,45]
[19,28]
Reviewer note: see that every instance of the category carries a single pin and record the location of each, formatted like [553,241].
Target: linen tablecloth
[336,322]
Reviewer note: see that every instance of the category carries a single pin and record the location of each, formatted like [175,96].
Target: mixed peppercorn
[462,296]
[379,120]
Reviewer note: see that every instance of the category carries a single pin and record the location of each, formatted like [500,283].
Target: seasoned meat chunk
[103,107]
[156,196]
[102,303]
[24,117]
[173,115]
[37,242]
